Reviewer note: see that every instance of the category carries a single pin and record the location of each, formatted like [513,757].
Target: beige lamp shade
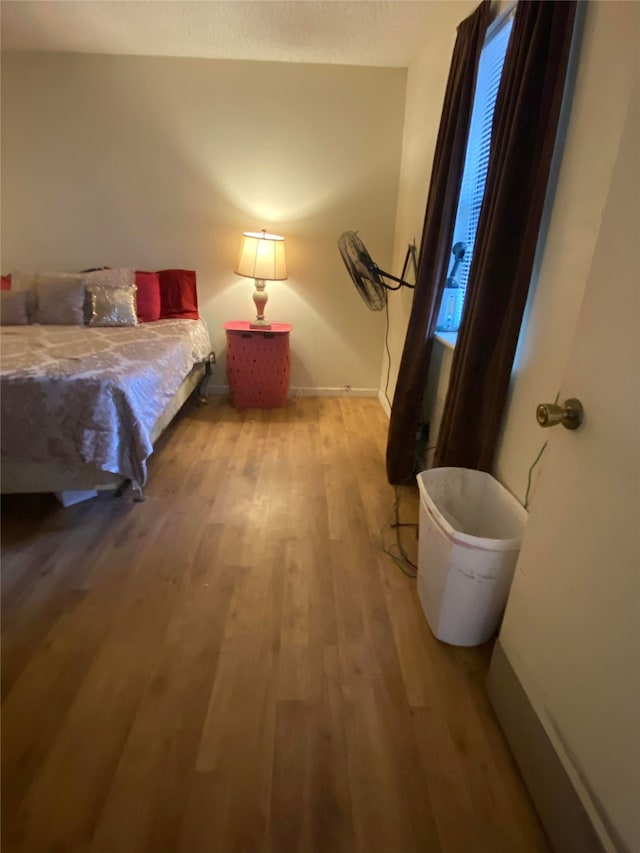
[262,256]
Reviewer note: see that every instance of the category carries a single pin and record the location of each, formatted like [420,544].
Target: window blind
[477,155]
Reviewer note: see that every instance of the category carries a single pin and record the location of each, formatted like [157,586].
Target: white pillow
[66,313]
[22,280]
[118,277]
[61,303]
[14,308]
[31,282]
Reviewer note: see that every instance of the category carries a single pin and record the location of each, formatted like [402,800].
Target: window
[474,176]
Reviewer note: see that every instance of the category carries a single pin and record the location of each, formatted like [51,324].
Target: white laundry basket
[471,528]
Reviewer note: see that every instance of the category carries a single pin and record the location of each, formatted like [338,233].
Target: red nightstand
[258,365]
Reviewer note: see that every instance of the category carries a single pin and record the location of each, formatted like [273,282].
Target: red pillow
[148,296]
[6,282]
[178,295]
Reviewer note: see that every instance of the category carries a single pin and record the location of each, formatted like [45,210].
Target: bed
[81,407]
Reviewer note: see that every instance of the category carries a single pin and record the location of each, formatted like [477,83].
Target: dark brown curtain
[435,249]
[524,133]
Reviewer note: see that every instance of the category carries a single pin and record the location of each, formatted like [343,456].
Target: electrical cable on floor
[401,559]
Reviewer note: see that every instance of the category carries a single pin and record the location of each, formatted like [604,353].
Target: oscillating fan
[367,275]
[451,302]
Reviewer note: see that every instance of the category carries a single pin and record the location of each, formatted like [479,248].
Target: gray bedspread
[77,394]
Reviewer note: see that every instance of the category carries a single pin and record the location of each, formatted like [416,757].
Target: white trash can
[471,528]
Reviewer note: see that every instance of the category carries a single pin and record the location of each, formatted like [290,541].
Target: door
[571,630]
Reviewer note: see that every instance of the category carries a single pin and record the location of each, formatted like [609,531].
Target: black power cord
[386,345]
[396,550]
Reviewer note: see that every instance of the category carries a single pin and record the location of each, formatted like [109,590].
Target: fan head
[363,271]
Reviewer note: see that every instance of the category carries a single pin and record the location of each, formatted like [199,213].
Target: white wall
[156,162]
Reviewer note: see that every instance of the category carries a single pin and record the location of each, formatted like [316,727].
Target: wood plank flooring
[236,665]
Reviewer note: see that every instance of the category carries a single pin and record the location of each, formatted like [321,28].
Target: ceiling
[343,32]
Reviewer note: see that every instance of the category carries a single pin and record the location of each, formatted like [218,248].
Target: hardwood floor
[236,665]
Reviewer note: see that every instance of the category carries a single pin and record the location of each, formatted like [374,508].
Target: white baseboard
[561,810]
[333,392]
[223,390]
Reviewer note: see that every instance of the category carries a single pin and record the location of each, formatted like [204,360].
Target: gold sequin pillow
[111,306]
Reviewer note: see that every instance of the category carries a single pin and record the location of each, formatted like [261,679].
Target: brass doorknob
[570,415]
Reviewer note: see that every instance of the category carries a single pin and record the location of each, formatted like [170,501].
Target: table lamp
[262,258]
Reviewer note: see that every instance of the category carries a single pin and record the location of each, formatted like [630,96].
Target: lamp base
[260,299]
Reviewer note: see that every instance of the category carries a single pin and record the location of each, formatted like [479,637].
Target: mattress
[80,395]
